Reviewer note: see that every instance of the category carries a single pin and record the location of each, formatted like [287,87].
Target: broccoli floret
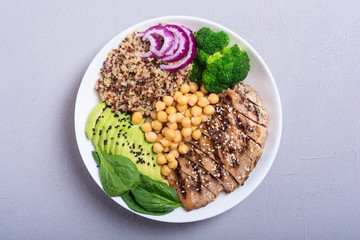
[210,42]
[196,72]
[202,56]
[225,69]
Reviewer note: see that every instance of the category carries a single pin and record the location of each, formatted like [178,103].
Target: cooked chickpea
[168,100]
[175,152]
[137,117]
[193,100]
[171,109]
[162,116]
[203,89]
[158,148]
[165,181]
[187,113]
[185,88]
[178,136]
[159,137]
[172,118]
[196,111]
[204,118]
[156,125]
[202,102]
[150,136]
[193,87]
[170,134]
[183,149]
[213,98]
[165,142]
[196,134]
[181,108]
[173,164]
[179,117]
[186,122]
[174,146]
[195,121]
[209,110]
[170,157]
[183,100]
[193,128]
[186,131]
[160,106]
[146,127]
[163,131]
[172,125]
[161,159]
[199,94]
[166,149]
[176,95]
[153,115]
[187,139]
[165,170]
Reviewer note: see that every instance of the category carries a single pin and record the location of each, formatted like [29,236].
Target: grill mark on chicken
[248,93]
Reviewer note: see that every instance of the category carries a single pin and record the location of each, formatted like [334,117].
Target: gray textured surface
[312,190]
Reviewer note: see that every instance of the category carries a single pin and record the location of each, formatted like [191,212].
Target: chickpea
[203,89]
[183,100]
[213,98]
[193,100]
[162,116]
[181,108]
[174,146]
[158,148]
[178,136]
[176,95]
[165,142]
[161,159]
[183,149]
[175,152]
[171,109]
[179,117]
[209,110]
[156,125]
[150,136]
[153,115]
[137,117]
[165,170]
[187,139]
[170,157]
[193,87]
[202,102]
[173,164]
[168,100]
[186,131]
[186,122]
[199,94]
[204,118]
[146,127]
[196,134]
[195,121]
[185,88]
[193,128]
[170,134]
[159,137]
[163,131]
[172,125]
[166,149]
[160,106]
[196,111]
[165,181]
[187,113]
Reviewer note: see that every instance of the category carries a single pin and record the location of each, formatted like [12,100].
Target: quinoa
[129,83]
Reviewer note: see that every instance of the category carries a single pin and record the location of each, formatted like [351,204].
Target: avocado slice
[91,122]
[98,127]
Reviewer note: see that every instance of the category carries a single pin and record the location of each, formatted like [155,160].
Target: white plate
[259,78]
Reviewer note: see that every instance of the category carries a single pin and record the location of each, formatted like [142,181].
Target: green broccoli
[202,56]
[225,69]
[209,41]
[196,72]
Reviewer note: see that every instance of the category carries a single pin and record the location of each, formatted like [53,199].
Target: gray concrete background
[312,190]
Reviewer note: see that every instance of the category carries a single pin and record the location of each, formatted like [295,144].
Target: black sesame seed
[100,132]
[105,141]
[117,126]
[116,115]
[154,165]
[123,144]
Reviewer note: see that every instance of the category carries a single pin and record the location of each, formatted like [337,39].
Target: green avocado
[116,135]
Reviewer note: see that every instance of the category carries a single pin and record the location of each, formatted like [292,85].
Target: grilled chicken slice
[192,194]
[248,109]
[200,174]
[248,93]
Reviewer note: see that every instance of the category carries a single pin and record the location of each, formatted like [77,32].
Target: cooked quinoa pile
[130,83]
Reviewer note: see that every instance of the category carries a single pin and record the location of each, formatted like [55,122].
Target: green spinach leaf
[118,174]
[96,158]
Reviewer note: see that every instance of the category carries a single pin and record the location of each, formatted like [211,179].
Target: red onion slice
[154,44]
[163,32]
[188,58]
[183,41]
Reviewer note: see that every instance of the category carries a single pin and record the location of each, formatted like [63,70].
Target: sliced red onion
[183,41]
[163,32]
[188,58]
[154,44]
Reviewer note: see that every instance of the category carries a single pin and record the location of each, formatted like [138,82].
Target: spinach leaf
[96,158]
[118,174]
[155,196]
[129,199]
